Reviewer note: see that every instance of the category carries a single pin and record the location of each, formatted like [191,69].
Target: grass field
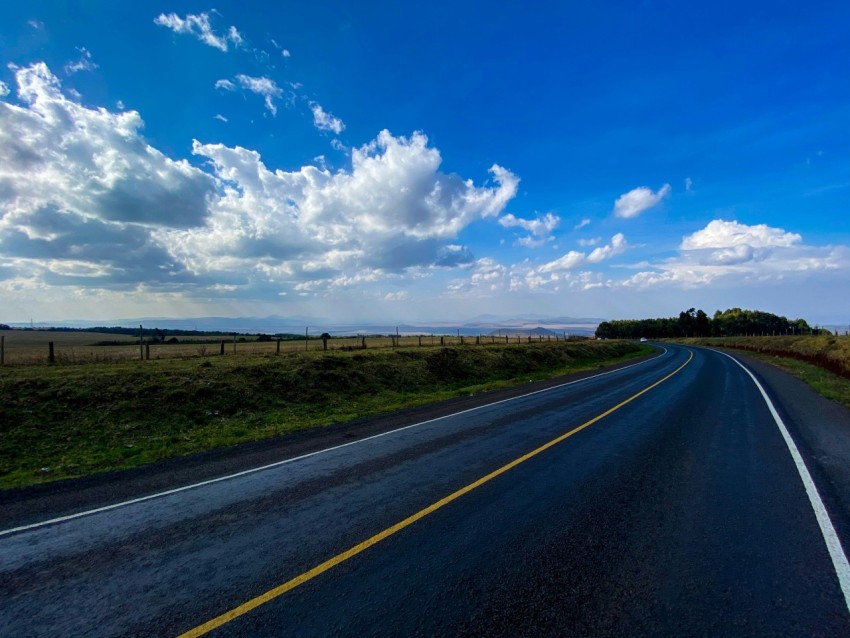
[27,347]
[65,421]
[822,362]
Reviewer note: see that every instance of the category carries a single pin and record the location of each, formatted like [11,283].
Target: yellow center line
[289,585]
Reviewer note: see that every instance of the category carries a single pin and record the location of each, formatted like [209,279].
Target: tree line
[696,323]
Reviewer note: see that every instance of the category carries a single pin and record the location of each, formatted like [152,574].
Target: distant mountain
[530,324]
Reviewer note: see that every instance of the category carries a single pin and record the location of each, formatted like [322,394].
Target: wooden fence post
[147,352]
[420,341]
[2,350]
[442,341]
[363,342]
[222,347]
[277,351]
[50,357]
[141,339]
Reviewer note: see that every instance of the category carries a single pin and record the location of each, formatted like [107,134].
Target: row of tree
[696,323]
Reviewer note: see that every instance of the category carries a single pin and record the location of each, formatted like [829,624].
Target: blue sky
[387,160]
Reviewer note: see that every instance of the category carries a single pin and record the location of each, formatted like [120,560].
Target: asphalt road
[612,505]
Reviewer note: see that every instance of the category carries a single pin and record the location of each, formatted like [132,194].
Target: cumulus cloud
[584,222]
[87,201]
[723,234]
[85,63]
[617,246]
[539,229]
[730,253]
[574,258]
[324,121]
[200,26]
[82,184]
[393,210]
[4,89]
[570,271]
[638,200]
[225,84]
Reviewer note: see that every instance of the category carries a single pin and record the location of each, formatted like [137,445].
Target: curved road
[661,498]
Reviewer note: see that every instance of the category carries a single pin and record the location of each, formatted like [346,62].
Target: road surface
[661,498]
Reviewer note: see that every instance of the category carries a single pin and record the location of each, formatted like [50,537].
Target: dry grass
[28,347]
[831,353]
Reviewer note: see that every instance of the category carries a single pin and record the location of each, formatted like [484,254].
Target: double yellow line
[289,585]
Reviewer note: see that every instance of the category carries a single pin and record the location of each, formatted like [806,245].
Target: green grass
[65,421]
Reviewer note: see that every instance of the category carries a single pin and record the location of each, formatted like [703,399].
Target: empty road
[670,497]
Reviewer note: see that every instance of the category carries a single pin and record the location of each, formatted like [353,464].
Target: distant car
[643,339]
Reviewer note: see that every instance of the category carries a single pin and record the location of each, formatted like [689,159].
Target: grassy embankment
[822,362]
[65,421]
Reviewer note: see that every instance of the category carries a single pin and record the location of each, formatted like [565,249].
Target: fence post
[222,347]
[277,351]
[363,342]
[2,350]
[234,343]
[442,341]
[420,341]
[147,352]
[141,353]
[306,331]
[50,357]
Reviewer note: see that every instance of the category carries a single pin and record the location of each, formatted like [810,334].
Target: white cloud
[638,200]
[539,229]
[728,253]
[574,259]
[225,84]
[585,243]
[83,64]
[200,26]
[689,184]
[392,211]
[4,89]
[723,234]
[220,117]
[569,261]
[263,86]
[81,185]
[285,53]
[88,202]
[234,36]
[401,295]
[35,24]
[584,222]
[325,121]
[617,246]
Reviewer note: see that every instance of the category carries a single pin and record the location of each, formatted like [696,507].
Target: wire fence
[32,347]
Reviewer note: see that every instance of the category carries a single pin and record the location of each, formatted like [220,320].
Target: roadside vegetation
[733,322]
[822,362]
[812,354]
[66,421]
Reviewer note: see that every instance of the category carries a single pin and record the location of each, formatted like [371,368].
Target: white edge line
[833,543]
[227,477]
